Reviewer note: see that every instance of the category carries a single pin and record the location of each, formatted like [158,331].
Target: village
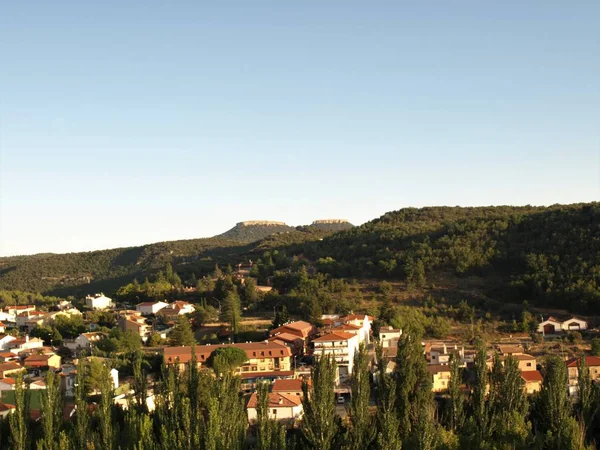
[283,359]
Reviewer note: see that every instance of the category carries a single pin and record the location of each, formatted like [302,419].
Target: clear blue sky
[129,122]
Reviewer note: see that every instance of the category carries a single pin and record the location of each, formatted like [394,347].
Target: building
[13,311]
[30,319]
[440,374]
[10,369]
[150,308]
[85,341]
[526,362]
[98,301]
[51,361]
[342,346]
[363,321]
[282,407]
[265,359]
[295,343]
[135,322]
[388,336]
[593,363]
[533,381]
[302,329]
[5,340]
[2,327]
[574,324]
[19,345]
[288,387]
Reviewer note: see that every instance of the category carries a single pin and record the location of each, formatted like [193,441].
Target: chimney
[444,348]
[26,338]
[280,401]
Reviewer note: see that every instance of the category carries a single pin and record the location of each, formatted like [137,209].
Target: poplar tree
[320,424]
[270,435]
[105,410]
[51,408]
[361,432]
[588,398]
[19,419]
[456,399]
[231,311]
[388,425]
[82,417]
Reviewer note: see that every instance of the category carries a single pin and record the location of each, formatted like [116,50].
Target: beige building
[282,407]
[134,321]
[593,363]
[533,381]
[440,374]
[388,336]
[264,358]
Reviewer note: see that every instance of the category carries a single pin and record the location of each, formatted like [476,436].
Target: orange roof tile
[337,336]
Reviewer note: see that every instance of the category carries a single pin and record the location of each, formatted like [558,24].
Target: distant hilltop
[329,221]
[249,223]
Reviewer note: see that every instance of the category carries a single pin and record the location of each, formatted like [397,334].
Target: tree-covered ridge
[548,254]
[255,230]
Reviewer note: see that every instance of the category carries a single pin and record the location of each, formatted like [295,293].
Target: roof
[287,385]
[589,360]
[575,318]
[510,349]
[336,336]
[299,325]
[286,337]
[37,360]
[8,380]
[147,304]
[94,335]
[358,317]
[6,407]
[281,373]
[276,400]
[2,325]
[551,319]
[437,368]
[10,366]
[531,375]
[347,326]
[253,349]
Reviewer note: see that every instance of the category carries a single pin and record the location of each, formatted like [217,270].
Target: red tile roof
[589,360]
[286,337]
[531,375]
[276,400]
[252,349]
[437,368]
[280,373]
[336,336]
[287,385]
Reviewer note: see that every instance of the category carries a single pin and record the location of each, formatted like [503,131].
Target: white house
[5,339]
[550,326]
[363,321]
[6,317]
[98,301]
[149,308]
[388,337]
[341,346]
[85,340]
[19,345]
[281,407]
[574,324]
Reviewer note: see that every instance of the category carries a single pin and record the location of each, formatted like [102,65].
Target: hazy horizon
[127,124]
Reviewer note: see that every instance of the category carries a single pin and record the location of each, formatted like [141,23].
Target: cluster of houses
[554,326]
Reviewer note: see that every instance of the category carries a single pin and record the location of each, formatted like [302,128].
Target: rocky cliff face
[255,230]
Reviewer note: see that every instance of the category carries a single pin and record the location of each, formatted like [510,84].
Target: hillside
[549,256]
[255,230]
[330,225]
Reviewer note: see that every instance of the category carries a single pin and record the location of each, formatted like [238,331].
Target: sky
[126,123]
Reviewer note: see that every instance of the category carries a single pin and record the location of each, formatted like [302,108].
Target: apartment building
[341,346]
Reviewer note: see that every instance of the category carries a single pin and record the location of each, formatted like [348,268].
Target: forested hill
[546,255]
[549,255]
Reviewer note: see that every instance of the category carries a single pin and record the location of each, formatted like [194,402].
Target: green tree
[388,425]
[588,397]
[51,413]
[320,423]
[455,414]
[105,410]
[182,333]
[82,418]
[226,359]
[249,292]
[361,432]
[596,347]
[231,311]
[19,419]
[270,435]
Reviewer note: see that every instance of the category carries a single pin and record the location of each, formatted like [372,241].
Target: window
[274,412]
[529,364]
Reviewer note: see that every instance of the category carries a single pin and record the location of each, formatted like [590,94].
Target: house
[19,345]
[533,381]
[8,356]
[388,336]
[85,340]
[263,357]
[362,320]
[150,308]
[574,324]
[331,320]
[288,387]
[341,346]
[282,407]
[510,349]
[5,340]
[182,307]
[13,311]
[6,409]
[68,376]
[10,368]
[67,312]
[350,329]
[2,327]
[300,328]
[98,301]
[440,374]
[7,384]
[295,343]
[134,321]
[526,362]
[593,363]
[30,319]
[51,361]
